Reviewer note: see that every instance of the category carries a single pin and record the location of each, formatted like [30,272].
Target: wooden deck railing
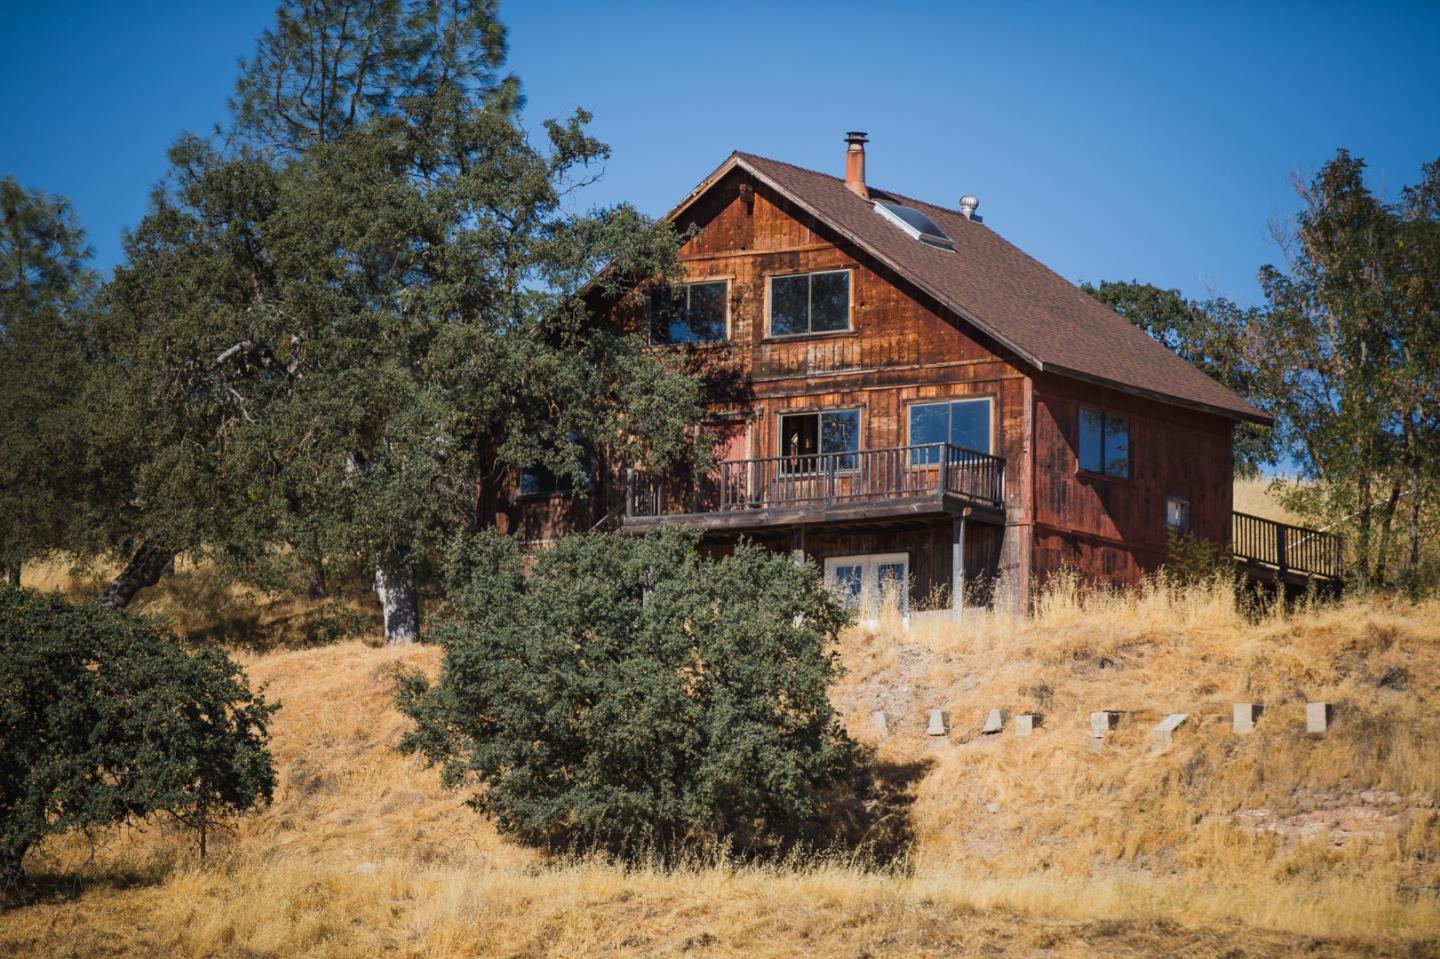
[826,478]
[1287,548]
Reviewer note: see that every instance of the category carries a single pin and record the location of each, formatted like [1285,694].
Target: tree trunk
[395,585]
[1386,524]
[144,569]
[1414,561]
[12,573]
[1362,538]
[12,866]
[317,588]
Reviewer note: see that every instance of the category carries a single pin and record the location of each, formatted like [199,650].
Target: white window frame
[870,564]
[770,302]
[1176,498]
[697,281]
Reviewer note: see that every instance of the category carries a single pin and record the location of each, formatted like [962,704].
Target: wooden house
[901,394]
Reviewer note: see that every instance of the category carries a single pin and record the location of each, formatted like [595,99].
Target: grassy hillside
[1265,845]
[1255,497]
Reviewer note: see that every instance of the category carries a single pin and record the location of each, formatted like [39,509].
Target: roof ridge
[830,176]
[1007,294]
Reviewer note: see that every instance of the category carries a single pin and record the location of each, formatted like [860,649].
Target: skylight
[915,223]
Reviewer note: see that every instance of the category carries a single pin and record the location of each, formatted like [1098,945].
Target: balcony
[904,482]
[1269,551]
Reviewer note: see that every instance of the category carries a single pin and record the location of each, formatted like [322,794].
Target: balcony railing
[823,479]
[1290,549]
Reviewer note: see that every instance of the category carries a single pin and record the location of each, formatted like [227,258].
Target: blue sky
[1110,140]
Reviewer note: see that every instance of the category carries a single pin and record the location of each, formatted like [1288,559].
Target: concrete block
[1026,723]
[1163,733]
[882,723]
[993,722]
[1102,721]
[938,725]
[1243,716]
[1317,718]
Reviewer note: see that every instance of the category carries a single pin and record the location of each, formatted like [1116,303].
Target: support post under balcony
[957,564]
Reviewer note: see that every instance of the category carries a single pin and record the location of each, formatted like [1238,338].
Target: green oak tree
[104,717]
[631,694]
[1349,355]
[45,297]
[329,334]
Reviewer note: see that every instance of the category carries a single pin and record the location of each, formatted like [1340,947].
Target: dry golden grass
[1266,845]
[200,604]
[1255,496]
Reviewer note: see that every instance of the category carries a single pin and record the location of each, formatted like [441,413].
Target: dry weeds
[1266,845]
[1255,496]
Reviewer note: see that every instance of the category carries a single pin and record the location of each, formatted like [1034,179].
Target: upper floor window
[833,434]
[1104,443]
[810,303]
[696,315]
[963,423]
[1177,514]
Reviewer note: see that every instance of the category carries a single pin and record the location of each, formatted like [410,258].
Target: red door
[726,485]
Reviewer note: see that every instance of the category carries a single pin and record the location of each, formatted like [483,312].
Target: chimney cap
[856,136]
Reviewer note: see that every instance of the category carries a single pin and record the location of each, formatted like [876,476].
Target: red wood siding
[898,351]
[902,349]
[1115,528]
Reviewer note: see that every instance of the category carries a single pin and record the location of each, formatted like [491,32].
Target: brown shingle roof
[1010,296]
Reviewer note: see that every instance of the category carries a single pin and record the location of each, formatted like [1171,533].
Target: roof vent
[915,223]
[968,205]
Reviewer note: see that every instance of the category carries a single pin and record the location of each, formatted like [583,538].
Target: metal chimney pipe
[855,163]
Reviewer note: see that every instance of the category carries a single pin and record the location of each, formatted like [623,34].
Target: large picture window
[696,315]
[1104,443]
[810,303]
[806,437]
[963,423]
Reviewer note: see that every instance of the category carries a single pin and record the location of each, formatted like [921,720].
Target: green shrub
[1194,559]
[103,716]
[633,696]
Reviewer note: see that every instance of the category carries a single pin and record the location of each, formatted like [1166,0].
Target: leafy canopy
[329,334]
[1350,358]
[104,717]
[631,694]
[45,294]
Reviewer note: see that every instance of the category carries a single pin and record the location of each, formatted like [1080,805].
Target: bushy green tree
[104,717]
[1349,354]
[329,335]
[633,695]
[1194,559]
[45,291]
